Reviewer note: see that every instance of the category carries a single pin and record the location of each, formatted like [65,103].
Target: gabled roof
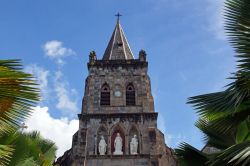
[118,47]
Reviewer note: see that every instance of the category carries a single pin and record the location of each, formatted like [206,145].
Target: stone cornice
[118,63]
[124,156]
[137,116]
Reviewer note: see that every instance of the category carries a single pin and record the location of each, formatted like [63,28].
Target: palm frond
[238,154]
[225,115]
[215,137]
[189,156]
[6,152]
[31,147]
[237,26]
[18,93]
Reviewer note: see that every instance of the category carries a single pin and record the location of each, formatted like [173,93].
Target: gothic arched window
[105,95]
[130,95]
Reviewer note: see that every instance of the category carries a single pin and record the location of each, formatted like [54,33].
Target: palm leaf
[190,156]
[237,25]
[238,154]
[213,136]
[31,147]
[226,113]
[17,95]
[227,102]
[6,152]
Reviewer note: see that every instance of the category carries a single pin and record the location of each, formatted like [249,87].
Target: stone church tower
[118,124]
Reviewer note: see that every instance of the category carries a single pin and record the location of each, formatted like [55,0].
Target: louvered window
[105,95]
[130,95]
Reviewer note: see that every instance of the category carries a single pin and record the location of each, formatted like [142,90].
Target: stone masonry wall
[140,119]
[125,125]
[117,79]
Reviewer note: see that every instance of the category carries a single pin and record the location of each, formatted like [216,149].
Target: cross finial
[23,126]
[118,15]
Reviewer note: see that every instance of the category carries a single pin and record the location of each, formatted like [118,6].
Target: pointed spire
[118,47]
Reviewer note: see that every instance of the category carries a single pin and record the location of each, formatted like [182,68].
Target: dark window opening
[130,95]
[152,135]
[119,44]
[105,95]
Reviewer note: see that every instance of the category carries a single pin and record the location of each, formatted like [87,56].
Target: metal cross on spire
[22,127]
[118,15]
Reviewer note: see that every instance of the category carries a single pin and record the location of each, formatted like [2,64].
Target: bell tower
[118,124]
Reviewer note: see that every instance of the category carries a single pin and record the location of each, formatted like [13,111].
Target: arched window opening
[130,95]
[105,95]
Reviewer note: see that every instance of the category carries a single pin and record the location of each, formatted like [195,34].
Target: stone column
[140,143]
[109,145]
[95,144]
[126,148]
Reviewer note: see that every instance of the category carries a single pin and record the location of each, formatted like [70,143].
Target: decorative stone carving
[142,55]
[134,145]
[92,57]
[102,146]
[118,145]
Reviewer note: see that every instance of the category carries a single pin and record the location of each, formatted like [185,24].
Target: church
[118,123]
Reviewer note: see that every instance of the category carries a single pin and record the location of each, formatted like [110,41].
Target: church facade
[118,124]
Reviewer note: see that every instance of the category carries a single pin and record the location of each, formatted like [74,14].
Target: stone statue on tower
[118,145]
[102,146]
[134,145]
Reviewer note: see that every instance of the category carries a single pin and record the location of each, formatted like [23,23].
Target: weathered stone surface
[98,120]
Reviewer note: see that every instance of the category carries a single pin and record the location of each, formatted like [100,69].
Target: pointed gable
[118,47]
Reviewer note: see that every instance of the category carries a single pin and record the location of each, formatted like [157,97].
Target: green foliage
[188,155]
[214,136]
[30,148]
[6,152]
[18,94]
[237,154]
[225,116]
[243,133]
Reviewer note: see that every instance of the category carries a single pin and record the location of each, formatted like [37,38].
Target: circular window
[118,93]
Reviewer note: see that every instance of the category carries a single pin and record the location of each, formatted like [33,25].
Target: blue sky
[187,51]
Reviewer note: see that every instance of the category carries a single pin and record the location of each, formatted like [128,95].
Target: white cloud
[58,130]
[55,50]
[42,78]
[171,140]
[216,18]
[161,125]
[168,139]
[65,95]
[64,101]
[178,139]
